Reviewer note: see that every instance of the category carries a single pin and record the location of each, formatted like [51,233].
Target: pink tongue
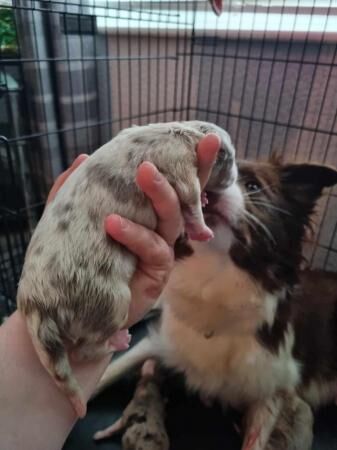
[204,199]
[120,340]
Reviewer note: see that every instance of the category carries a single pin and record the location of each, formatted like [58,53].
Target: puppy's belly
[234,369]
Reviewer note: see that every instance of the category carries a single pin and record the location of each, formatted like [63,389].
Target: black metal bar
[330,246]
[298,78]
[270,122]
[119,76]
[68,59]
[29,109]
[95,124]
[317,124]
[108,7]
[223,68]
[279,102]
[40,82]
[4,288]
[85,58]
[12,157]
[321,111]
[261,58]
[140,13]
[157,70]
[25,102]
[290,9]
[96,70]
[310,88]
[175,95]
[184,75]
[232,83]
[166,86]
[201,39]
[211,76]
[107,47]
[191,55]
[326,247]
[244,87]
[84,83]
[330,193]
[266,103]
[5,143]
[139,66]
[130,84]
[49,40]
[182,62]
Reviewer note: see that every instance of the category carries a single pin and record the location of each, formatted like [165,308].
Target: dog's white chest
[235,369]
[232,365]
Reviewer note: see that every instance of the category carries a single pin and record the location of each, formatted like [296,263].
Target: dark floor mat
[190,425]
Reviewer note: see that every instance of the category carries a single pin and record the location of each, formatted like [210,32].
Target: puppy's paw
[110,431]
[252,440]
[202,236]
[79,406]
[119,341]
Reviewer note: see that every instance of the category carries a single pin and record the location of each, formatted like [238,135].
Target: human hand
[64,175]
[46,408]
[154,249]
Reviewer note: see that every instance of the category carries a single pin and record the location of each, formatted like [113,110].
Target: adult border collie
[241,320]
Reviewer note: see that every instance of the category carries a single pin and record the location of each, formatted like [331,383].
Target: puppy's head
[262,218]
[224,172]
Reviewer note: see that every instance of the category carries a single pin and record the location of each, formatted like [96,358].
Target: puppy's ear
[304,183]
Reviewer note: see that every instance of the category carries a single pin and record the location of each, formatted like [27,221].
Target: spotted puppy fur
[74,288]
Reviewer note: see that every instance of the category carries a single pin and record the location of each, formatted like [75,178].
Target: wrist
[33,410]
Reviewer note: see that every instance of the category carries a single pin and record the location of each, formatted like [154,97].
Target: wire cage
[74,72]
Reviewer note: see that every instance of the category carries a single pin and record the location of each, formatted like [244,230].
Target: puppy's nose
[224,172]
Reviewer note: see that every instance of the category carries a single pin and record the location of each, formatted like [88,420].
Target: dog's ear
[304,183]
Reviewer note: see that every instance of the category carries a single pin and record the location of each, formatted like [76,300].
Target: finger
[143,299]
[64,175]
[150,248]
[164,200]
[207,151]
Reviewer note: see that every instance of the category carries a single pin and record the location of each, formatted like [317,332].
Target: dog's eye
[252,186]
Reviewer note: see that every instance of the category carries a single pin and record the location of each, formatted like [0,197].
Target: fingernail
[78,158]
[114,220]
[218,138]
[157,178]
[123,223]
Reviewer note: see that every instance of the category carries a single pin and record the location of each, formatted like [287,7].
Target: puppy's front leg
[294,427]
[143,419]
[260,421]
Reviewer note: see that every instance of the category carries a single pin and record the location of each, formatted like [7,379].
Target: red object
[217,6]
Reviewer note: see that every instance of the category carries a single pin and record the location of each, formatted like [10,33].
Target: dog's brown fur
[240,320]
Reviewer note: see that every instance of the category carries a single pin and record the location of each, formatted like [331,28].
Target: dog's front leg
[260,420]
